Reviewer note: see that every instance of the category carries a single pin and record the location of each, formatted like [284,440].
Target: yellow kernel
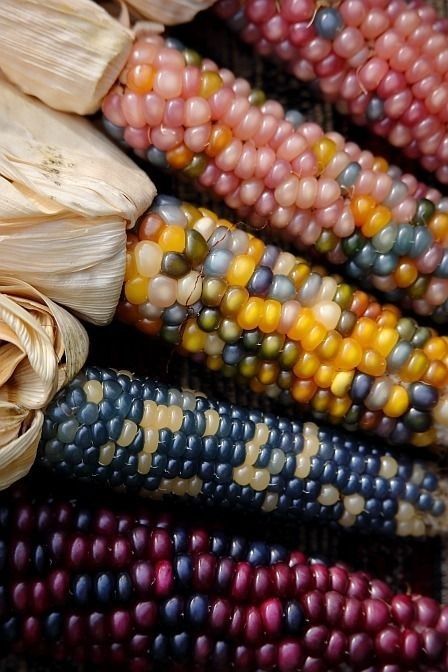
[321,401]
[148,258]
[324,375]
[389,317]
[372,363]
[211,82]
[163,416]
[376,221]
[365,331]
[415,367]
[256,249]
[140,78]
[303,466]
[176,417]
[215,362]
[314,337]
[307,365]
[347,519]
[362,207]
[172,239]
[268,373]
[406,273]
[240,270]
[349,355]
[136,290]
[193,338]
[299,274]
[329,347]
[272,311]
[302,325]
[406,511]
[436,374]
[436,348]
[302,390]
[438,226]
[250,314]
[398,402]
[179,157]
[233,301]
[311,445]
[149,418]
[341,383]
[220,137]
[380,165]
[252,452]
[94,391]
[339,406]
[424,439]
[385,340]
[194,486]
[324,150]
[131,266]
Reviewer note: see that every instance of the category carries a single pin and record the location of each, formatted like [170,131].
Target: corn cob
[121,587]
[384,63]
[182,113]
[133,433]
[276,322]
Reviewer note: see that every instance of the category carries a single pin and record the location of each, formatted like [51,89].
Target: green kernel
[229,331]
[257,97]
[196,166]
[196,248]
[326,242]
[344,295]
[209,319]
[249,366]
[192,58]
[271,346]
[418,289]
[213,289]
[252,339]
[175,265]
[288,356]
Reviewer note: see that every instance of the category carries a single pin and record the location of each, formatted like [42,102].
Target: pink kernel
[168,83]
[372,73]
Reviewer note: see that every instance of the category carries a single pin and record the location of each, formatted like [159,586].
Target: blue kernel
[172,611]
[238,548]
[422,241]
[99,433]
[206,470]
[39,559]
[73,453]
[397,487]
[112,389]
[425,502]
[136,409]
[197,610]
[329,473]
[328,22]
[258,553]
[83,437]
[366,486]
[76,397]
[184,570]
[180,539]
[381,487]
[438,508]
[372,465]
[158,464]
[160,644]
[188,469]
[352,485]
[357,464]
[224,473]
[341,456]
[9,630]
[294,489]
[210,447]
[373,507]
[239,454]
[54,450]
[430,482]
[219,543]
[278,553]
[289,467]
[88,414]
[390,508]
[312,509]
[178,444]
[53,625]
[194,447]
[180,645]
[264,457]
[404,239]
[124,587]
[106,409]
[260,281]
[81,588]
[225,426]
[311,489]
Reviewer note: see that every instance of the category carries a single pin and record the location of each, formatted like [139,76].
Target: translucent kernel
[94,391]
[250,314]
[128,433]
[107,452]
[243,475]
[271,316]
[349,355]
[211,82]
[376,221]
[362,207]
[144,463]
[389,467]
[149,418]
[193,338]
[307,365]
[220,137]
[260,480]
[406,511]
[354,504]
[211,422]
[140,78]
[328,496]
[324,150]
[151,440]
[148,258]
[372,363]
[270,502]
[385,340]
[303,466]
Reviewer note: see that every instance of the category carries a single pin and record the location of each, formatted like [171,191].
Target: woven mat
[421,566]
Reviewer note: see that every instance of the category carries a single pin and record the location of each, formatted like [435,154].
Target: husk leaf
[170,13]
[68,53]
[42,346]
[66,197]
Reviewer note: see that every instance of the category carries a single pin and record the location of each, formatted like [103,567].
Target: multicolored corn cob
[282,326]
[142,591]
[324,194]
[133,433]
[384,63]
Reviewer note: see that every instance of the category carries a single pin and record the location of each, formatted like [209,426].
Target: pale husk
[66,197]
[42,346]
[67,53]
[170,13]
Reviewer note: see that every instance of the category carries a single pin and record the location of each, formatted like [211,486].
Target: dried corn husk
[170,13]
[68,53]
[66,197]
[42,346]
